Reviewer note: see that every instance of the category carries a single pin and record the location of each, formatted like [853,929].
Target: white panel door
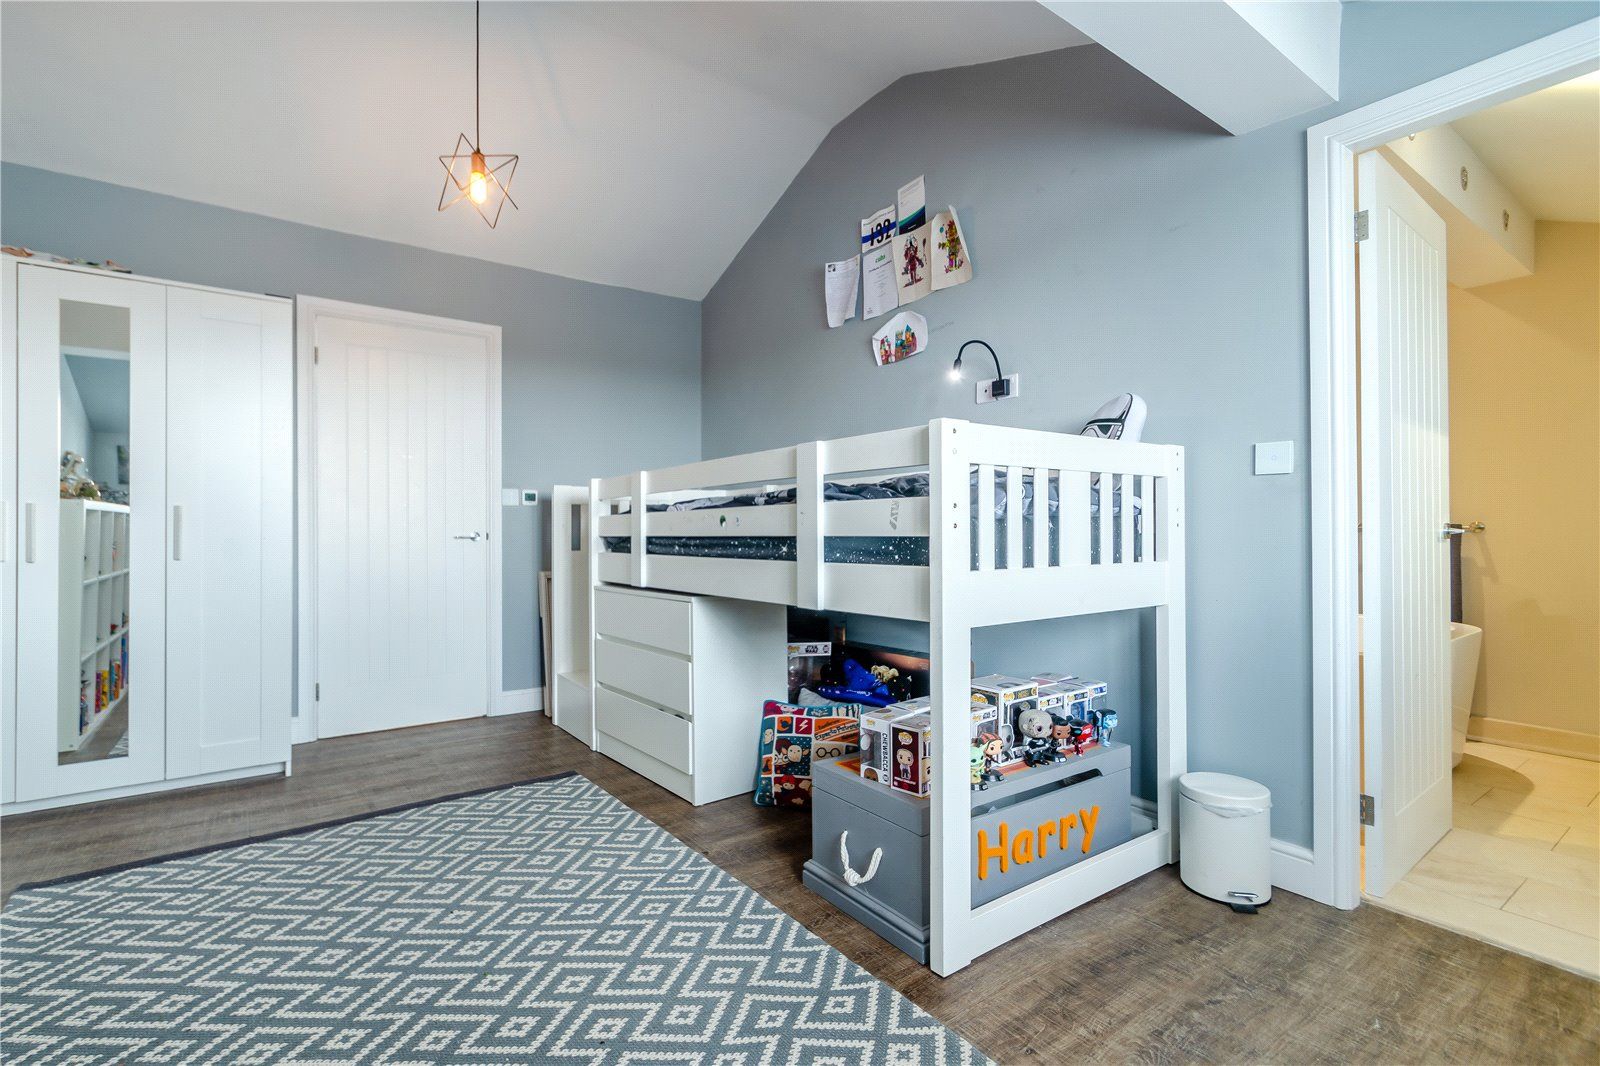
[230,570]
[1404,509]
[91,374]
[402,449]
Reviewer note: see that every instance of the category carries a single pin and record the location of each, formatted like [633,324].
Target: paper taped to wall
[877,229]
[952,265]
[912,203]
[879,295]
[840,281]
[915,280]
[905,335]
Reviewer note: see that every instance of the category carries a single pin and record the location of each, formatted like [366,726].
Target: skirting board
[517,701]
[1535,738]
[125,791]
[1293,866]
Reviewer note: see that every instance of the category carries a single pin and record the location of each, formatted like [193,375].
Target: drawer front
[652,620]
[1020,842]
[649,675]
[901,882]
[666,737]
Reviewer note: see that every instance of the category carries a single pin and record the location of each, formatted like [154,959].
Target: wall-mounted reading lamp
[999,388]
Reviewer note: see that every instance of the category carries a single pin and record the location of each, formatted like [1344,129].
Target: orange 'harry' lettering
[985,852]
[1022,846]
[1048,829]
[1090,817]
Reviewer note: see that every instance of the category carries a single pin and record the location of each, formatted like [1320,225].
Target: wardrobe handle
[27,533]
[5,531]
[177,532]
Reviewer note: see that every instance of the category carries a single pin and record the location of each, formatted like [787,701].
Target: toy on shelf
[1036,728]
[1009,696]
[1104,723]
[862,685]
[876,745]
[913,753]
[986,749]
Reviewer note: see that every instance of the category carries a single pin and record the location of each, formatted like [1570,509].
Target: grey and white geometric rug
[545,922]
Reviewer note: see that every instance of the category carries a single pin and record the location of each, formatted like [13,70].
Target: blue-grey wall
[1120,242]
[568,346]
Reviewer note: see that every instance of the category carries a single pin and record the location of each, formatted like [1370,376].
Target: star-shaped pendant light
[481,179]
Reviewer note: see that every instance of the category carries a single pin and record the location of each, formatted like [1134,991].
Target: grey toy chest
[1017,825]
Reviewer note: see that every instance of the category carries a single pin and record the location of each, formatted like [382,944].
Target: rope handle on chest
[852,878]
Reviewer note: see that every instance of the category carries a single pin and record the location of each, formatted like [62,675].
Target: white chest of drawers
[679,681]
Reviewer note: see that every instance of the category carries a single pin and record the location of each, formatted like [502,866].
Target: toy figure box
[912,743]
[1034,823]
[1009,696]
[1082,696]
[877,750]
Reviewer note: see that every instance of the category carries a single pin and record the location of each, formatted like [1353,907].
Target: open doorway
[1478,522]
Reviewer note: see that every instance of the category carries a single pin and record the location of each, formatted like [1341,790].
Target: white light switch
[510,497]
[1276,457]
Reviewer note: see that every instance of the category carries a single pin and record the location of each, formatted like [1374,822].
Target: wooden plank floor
[1151,972]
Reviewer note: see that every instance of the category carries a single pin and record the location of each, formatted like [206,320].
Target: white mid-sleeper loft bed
[1085,559]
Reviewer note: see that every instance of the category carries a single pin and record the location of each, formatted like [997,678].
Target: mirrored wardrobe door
[91,425]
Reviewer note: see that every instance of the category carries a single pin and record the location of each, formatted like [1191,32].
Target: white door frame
[307,308]
[1331,148]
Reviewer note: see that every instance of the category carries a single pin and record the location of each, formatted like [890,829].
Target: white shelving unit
[94,617]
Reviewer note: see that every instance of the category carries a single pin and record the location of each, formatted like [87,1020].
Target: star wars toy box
[1009,696]
[1082,697]
[877,752]
[911,740]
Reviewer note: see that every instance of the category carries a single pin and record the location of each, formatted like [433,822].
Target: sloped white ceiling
[654,136]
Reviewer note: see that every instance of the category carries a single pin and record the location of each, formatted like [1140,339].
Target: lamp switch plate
[985,389]
[1275,457]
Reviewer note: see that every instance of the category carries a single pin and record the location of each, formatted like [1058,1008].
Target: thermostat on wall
[530,497]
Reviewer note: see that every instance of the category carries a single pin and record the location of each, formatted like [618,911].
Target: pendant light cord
[477,75]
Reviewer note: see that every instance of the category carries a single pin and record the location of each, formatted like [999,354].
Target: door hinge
[316,693]
[1369,810]
[1361,226]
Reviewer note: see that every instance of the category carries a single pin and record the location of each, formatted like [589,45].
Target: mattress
[885,550]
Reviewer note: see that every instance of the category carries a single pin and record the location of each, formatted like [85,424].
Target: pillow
[790,737]
[1119,418]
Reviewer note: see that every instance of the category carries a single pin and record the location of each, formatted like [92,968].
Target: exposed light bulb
[955,373]
[478,181]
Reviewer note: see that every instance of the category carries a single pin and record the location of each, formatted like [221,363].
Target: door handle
[27,533]
[1457,529]
[467,536]
[177,532]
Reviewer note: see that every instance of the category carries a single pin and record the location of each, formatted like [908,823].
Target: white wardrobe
[146,535]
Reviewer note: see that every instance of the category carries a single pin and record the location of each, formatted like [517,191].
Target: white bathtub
[1465,643]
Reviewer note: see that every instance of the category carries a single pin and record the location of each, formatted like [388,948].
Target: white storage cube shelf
[93,665]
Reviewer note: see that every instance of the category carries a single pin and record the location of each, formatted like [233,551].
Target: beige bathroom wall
[1525,460]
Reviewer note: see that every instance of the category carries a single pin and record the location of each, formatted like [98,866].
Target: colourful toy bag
[791,737]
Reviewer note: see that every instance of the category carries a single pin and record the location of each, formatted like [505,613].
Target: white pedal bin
[1225,838]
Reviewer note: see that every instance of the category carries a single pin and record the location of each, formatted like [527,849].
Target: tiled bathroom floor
[1521,866]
